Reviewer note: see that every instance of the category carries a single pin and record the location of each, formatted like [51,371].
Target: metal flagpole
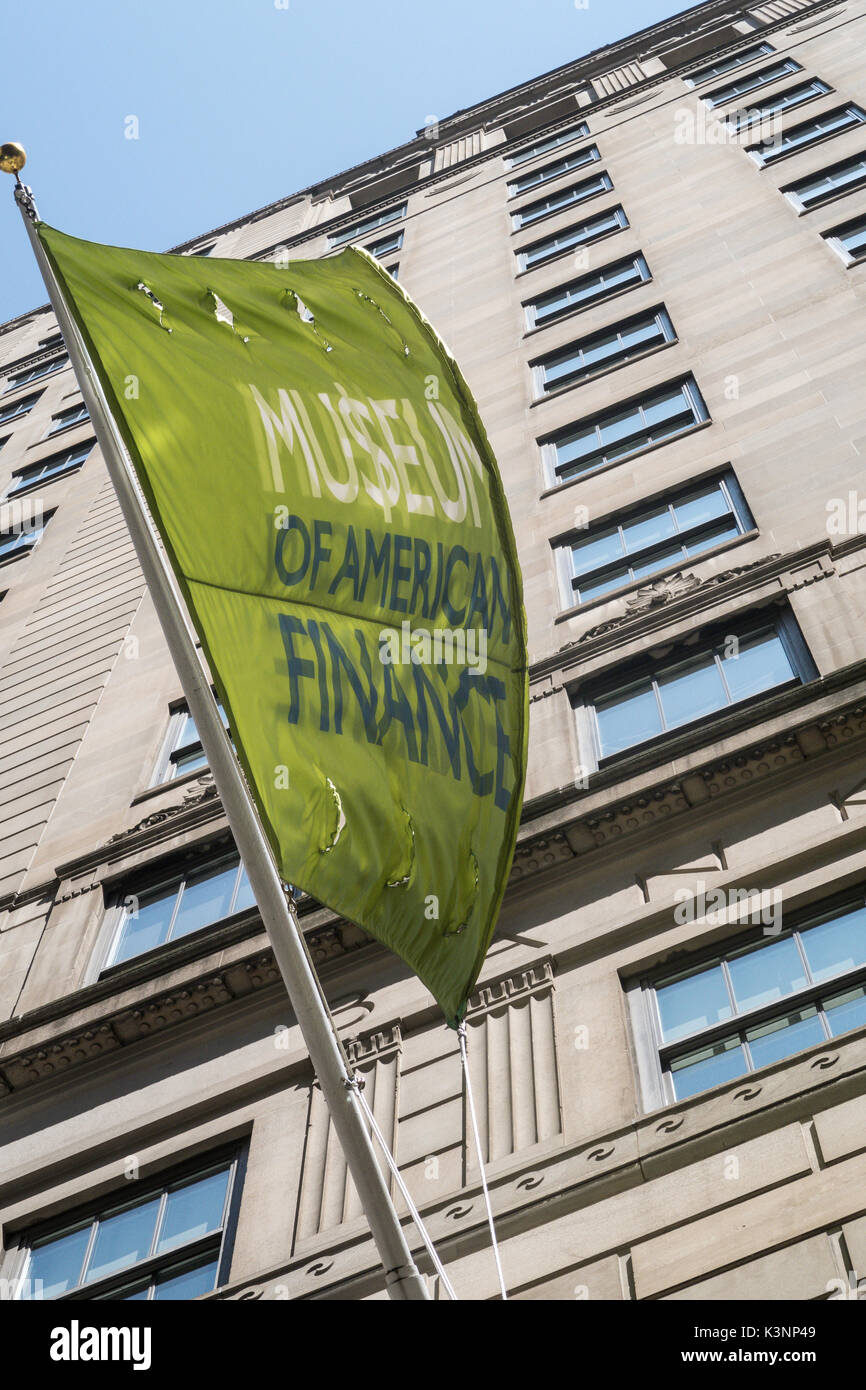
[277,910]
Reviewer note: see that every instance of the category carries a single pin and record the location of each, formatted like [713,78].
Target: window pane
[58,1263]
[205,900]
[191,1284]
[665,407]
[691,692]
[762,663]
[783,1036]
[146,926]
[846,1011]
[658,526]
[727,531]
[627,720]
[767,974]
[836,946]
[660,559]
[596,551]
[701,506]
[193,1211]
[692,1003]
[711,1066]
[188,762]
[596,588]
[621,425]
[245,897]
[123,1239]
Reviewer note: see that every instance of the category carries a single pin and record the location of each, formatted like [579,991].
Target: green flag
[330,504]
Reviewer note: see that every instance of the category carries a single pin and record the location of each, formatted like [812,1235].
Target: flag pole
[403,1281]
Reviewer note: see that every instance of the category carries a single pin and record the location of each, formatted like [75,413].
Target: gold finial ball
[12,157]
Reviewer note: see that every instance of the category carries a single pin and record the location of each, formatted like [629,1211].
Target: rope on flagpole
[461,1034]
[357,1086]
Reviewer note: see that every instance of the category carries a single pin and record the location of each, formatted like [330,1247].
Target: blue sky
[240,102]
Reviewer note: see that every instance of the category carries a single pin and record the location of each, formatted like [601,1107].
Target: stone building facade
[650,266]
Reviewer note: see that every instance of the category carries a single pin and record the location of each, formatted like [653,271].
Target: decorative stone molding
[737,772]
[122,1027]
[668,589]
[202,789]
[328,1196]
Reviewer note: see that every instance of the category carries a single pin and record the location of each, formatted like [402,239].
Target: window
[197,899]
[603,558]
[167,1242]
[393,271]
[554,170]
[547,143]
[600,351]
[73,415]
[19,541]
[685,688]
[385,245]
[723,65]
[625,430]
[202,250]
[53,340]
[849,240]
[49,468]
[565,198]
[369,224]
[18,408]
[749,82]
[183,751]
[34,373]
[589,289]
[807,133]
[760,1001]
[581,234]
[818,188]
[775,106]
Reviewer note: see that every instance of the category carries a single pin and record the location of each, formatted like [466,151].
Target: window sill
[557,212]
[44,482]
[567,250]
[711,727]
[585,308]
[803,149]
[831,198]
[556,488]
[66,429]
[159,787]
[577,610]
[601,372]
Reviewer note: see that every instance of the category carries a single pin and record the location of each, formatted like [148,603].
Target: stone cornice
[543,1183]
[568,834]
[663,601]
[601,60]
[100,1031]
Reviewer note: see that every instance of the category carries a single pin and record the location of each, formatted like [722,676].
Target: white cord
[398,1178]
[461,1034]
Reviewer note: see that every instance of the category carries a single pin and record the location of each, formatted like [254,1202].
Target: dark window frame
[555,473]
[777,152]
[525,153]
[792,193]
[667,337]
[541,211]
[635,673]
[752,938]
[530,306]
[699,76]
[600,220]
[725,480]
[234,1156]
[723,95]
